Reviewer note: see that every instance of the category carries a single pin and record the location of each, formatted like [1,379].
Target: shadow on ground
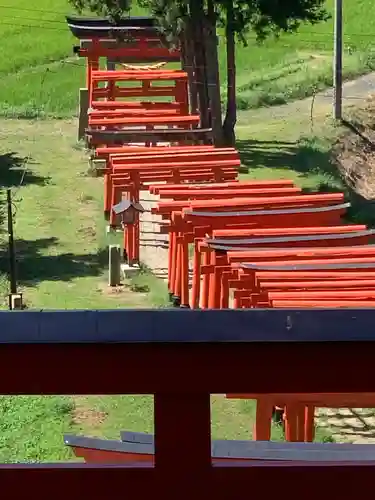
[15,172]
[349,423]
[35,265]
[305,157]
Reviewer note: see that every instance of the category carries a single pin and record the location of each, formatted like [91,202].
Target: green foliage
[114,9]
[271,17]
[264,17]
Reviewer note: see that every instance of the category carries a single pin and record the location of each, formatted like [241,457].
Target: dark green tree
[114,9]
[263,17]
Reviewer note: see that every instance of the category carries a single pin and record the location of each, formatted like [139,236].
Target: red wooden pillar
[309,423]
[195,292]
[211,288]
[177,285]
[206,279]
[183,433]
[291,423]
[224,294]
[173,251]
[170,257]
[263,420]
[184,271]
[107,194]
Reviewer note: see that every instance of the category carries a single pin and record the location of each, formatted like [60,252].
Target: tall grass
[35,39]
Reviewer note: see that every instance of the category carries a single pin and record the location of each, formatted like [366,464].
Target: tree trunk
[231,112]
[188,66]
[197,14]
[213,77]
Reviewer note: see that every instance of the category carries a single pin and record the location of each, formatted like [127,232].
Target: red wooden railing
[181,357]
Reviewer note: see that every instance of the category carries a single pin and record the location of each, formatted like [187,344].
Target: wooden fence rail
[181,357]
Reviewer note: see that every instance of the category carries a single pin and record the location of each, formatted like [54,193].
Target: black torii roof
[101,27]
[124,205]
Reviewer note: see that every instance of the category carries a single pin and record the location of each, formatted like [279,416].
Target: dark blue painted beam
[135,326]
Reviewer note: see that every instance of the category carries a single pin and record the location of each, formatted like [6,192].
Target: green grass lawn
[40,76]
[61,241]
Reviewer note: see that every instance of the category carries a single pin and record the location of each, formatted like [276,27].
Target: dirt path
[353,92]
[154,246]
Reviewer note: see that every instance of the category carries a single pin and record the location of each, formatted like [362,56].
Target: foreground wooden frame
[179,357]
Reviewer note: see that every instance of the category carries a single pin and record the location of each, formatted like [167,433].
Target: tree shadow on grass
[306,157]
[34,266]
[14,171]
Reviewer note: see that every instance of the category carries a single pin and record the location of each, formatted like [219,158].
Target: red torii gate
[181,357]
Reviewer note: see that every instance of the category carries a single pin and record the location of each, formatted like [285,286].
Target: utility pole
[337,62]
[15,300]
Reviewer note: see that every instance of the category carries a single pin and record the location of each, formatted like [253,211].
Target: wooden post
[114,265]
[83,118]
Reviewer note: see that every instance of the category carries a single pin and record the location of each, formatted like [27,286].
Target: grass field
[60,233]
[41,76]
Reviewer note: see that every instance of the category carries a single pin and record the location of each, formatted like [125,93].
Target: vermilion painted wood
[216,290]
[266,297]
[283,253]
[113,193]
[163,176]
[302,200]
[270,277]
[105,152]
[354,282]
[165,156]
[119,361]
[244,253]
[154,120]
[258,232]
[124,92]
[135,105]
[132,53]
[132,75]
[124,113]
[208,194]
[248,203]
[316,303]
[265,218]
[188,165]
[156,189]
[139,178]
[307,240]
[356,261]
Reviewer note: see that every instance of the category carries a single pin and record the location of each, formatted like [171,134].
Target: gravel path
[154,246]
